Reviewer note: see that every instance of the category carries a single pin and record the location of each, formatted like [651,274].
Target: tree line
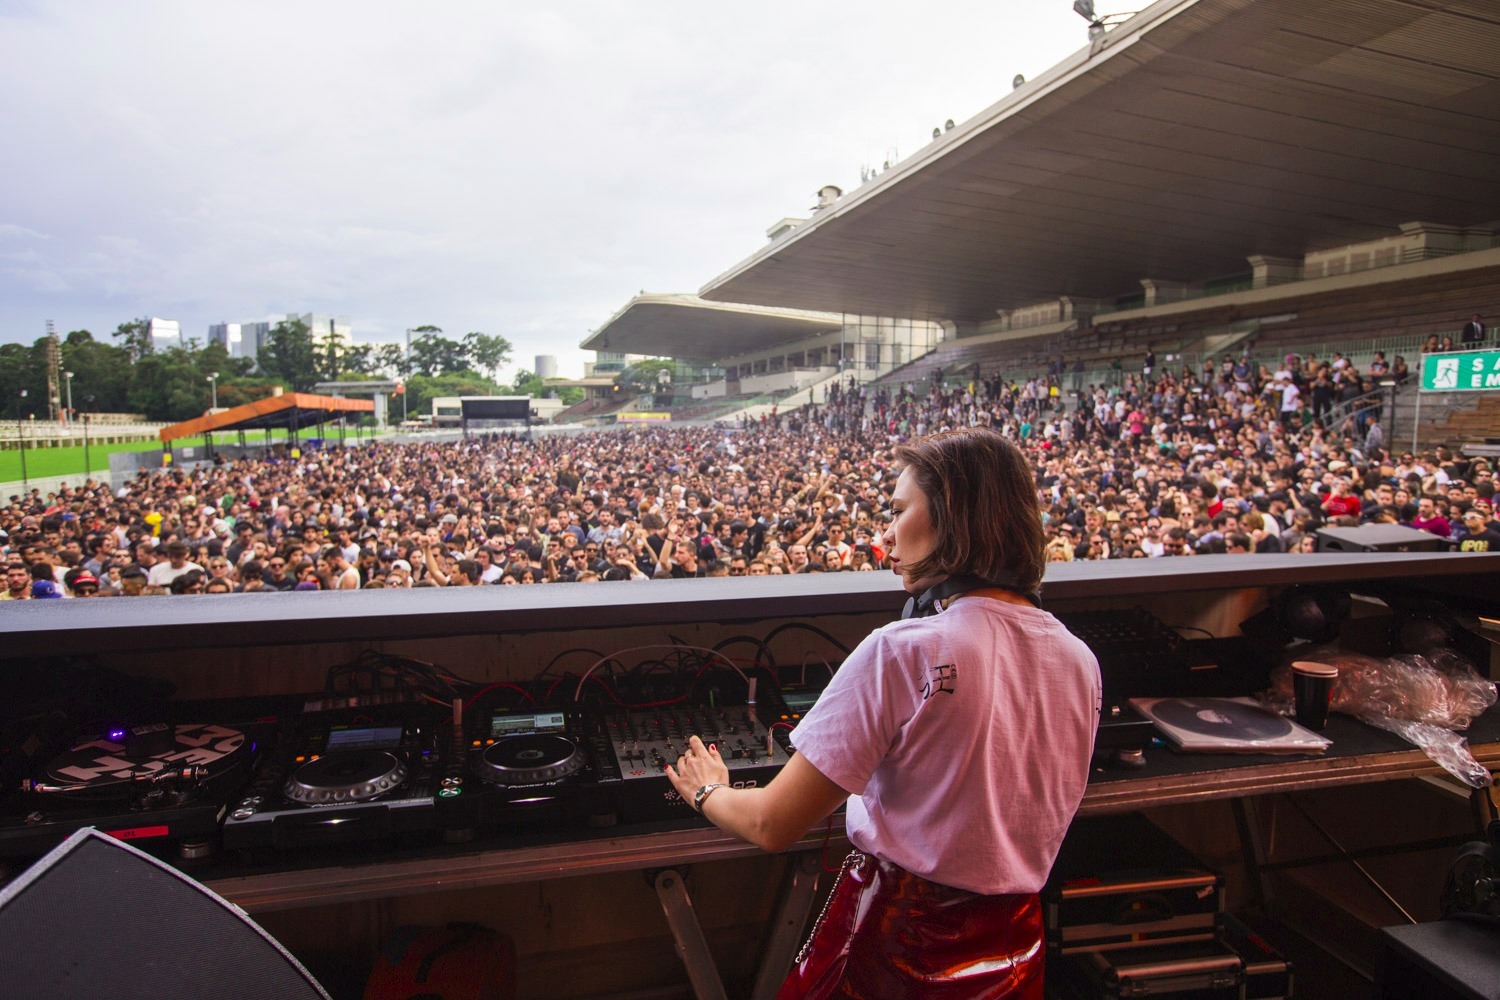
[127,374]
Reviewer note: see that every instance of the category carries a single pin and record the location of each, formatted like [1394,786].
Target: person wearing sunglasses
[277,577]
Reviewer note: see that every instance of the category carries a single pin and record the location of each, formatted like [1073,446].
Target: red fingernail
[714,747]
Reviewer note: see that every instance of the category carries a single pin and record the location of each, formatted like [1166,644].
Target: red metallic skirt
[886,933]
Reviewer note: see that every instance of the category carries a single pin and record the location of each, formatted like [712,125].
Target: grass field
[42,463]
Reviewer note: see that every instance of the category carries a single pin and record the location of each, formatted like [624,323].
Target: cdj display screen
[505,725]
[377,737]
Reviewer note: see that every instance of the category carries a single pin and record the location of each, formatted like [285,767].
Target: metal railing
[1304,273]
[1336,415]
[38,430]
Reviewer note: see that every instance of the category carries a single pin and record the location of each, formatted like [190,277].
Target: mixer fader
[645,741]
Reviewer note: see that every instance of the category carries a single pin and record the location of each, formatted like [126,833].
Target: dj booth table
[283,643]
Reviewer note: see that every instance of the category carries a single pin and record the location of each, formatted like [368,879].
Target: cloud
[520,171]
[38,279]
[11,231]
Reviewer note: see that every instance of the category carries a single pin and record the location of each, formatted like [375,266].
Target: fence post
[1416,419]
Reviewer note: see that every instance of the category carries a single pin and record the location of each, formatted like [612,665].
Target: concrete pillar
[1266,270]
[1076,307]
[1430,239]
[1159,292]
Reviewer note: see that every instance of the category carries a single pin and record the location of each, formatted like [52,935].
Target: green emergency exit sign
[1466,371]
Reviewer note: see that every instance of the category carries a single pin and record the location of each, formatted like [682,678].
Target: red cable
[827,836]
[547,698]
[490,687]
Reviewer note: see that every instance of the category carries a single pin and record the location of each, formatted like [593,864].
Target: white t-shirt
[163,573]
[964,740]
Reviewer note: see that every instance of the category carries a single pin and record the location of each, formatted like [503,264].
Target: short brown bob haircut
[981,497]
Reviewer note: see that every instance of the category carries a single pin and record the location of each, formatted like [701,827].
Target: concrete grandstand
[1254,176]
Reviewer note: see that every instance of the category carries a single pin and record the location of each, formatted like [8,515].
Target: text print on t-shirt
[940,680]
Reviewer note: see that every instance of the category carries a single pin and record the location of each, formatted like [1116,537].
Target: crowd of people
[1227,458]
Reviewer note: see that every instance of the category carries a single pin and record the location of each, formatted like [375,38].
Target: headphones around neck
[928,602]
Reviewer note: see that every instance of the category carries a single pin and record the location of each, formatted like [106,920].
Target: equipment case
[1204,969]
[1096,900]
[1268,976]
[1243,966]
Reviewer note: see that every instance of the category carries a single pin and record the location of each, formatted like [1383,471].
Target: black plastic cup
[1312,687]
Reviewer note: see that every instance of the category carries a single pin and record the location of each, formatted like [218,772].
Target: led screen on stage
[497,408]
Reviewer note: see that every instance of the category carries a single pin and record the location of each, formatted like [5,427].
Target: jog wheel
[532,759]
[345,776]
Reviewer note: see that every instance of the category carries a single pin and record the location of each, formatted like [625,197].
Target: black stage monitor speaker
[1379,538]
[497,408]
[98,918]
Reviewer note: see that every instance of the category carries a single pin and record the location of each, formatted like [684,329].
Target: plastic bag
[1422,699]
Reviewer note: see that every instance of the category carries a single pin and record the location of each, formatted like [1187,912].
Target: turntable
[524,767]
[337,778]
[150,784]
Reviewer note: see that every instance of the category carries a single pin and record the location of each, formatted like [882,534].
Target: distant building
[165,333]
[329,333]
[253,336]
[324,327]
[227,335]
[252,339]
[610,362]
[546,366]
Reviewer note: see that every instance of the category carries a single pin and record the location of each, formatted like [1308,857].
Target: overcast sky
[519,169]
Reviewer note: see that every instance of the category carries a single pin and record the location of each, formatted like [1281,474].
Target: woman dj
[960,739]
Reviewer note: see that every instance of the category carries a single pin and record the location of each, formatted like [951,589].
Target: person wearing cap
[400,575]
[1479,533]
[82,583]
[45,589]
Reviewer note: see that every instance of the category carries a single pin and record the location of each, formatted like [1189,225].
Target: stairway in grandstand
[1468,420]
[785,403]
[592,410]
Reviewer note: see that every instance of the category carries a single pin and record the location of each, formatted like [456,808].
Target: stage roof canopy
[687,327]
[292,409]
[1194,135]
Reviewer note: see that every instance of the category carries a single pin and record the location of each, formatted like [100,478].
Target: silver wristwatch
[702,794]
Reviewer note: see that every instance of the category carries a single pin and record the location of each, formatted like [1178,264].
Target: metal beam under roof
[689,328]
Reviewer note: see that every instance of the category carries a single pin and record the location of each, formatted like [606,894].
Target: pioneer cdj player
[337,777]
[510,767]
[152,784]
